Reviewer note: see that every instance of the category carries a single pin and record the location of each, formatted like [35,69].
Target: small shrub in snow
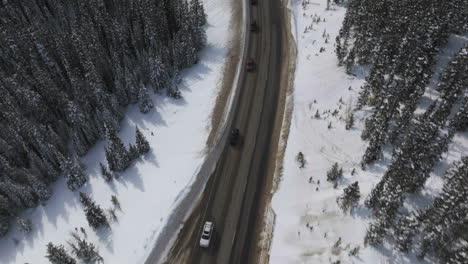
[336,250]
[354,251]
[83,231]
[58,255]
[301,160]
[115,202]
[334,173]
[349,121]
[317,114]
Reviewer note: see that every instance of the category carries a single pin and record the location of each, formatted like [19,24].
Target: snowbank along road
[231,196]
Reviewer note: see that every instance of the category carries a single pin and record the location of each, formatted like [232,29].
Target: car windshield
[205,236]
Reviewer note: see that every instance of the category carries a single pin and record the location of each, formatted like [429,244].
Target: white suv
[206,234]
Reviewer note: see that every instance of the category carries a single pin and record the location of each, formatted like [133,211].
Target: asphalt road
[232,195]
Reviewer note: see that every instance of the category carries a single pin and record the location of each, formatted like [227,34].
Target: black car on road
[234,137]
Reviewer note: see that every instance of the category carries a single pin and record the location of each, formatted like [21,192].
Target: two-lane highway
[231,196]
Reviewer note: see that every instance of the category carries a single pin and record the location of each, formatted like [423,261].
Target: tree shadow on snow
[133,176]
[105,238]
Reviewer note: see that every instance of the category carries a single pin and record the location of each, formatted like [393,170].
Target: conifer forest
[68,69]
[400,41]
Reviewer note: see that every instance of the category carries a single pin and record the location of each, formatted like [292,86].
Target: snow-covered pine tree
[460,121]
[444,223]
[198,11]
[116,153]
[159,74]
[41,191]
[58,255]
[145,102]
[106,174]
[350,197]
[335,172]
[19,195]
[74,173]
[141,143]
[375,233]
[24,225]
[84,250]
[133,152]
[115,202]
[349,120]
[404,231]
[94,214]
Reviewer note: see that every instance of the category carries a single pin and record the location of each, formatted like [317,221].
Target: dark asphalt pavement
[232,193]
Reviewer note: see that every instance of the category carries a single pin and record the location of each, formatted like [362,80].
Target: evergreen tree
[41,191]
[444,224]
[349,121]
[404,231]
[350,197]
[84,250]
[74,173]
[94,214]
[115,202]
[376,233]
[334,173]
[460,121]
[133,152]
[141,143]
[116,153]
[106,174]
[146,104]
[58,255]
[4,224]
[24,225]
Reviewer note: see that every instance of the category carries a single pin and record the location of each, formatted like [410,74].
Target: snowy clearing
[177,131]
[308,220]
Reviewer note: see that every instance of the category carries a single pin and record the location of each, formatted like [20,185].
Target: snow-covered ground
[177,131]
[308,220]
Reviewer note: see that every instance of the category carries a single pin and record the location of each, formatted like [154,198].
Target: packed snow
[177,131]
[308,221]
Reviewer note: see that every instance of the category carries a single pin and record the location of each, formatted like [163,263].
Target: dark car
[234,137]
[253,26]
[250,64]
